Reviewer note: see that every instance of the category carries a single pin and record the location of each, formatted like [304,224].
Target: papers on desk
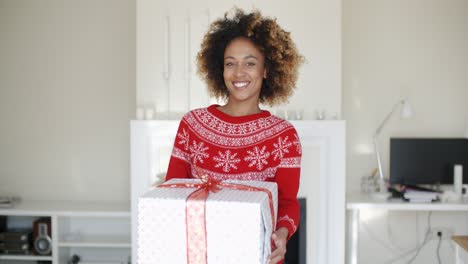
[418,196]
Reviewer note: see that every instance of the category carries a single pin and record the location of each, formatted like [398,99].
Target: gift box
[237,228]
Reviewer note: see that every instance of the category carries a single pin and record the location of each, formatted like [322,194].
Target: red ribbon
[195,210]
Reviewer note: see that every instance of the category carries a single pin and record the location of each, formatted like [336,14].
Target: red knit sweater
[259,147]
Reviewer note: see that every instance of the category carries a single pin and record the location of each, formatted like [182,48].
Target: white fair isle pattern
[184,139]
[226,160]
[198,152]
[176,152]
[247,176]
[297,143]
[290,163]
[212,121]
[257,157]
[238,224]
[281,148]
[201,121]
[289,220]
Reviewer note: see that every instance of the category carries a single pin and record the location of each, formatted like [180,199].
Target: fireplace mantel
[324,189]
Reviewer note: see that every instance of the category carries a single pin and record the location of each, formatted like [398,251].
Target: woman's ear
[264,73]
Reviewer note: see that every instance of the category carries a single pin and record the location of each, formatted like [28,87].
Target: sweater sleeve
[179,163]
[287,177]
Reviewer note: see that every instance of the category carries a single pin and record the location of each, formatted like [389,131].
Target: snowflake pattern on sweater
[260,147]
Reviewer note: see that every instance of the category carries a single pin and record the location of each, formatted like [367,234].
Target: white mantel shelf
[69,208]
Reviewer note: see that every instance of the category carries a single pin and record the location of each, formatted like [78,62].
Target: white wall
[402,49]
[67,92]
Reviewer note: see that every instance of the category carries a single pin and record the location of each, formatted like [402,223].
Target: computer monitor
[429,161]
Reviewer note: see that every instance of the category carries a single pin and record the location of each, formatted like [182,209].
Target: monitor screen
[427,160]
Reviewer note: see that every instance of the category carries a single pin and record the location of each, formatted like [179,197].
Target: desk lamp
[406,112]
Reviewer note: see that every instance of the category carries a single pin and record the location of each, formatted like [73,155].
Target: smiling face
[244,70]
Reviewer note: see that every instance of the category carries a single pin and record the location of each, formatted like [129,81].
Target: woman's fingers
[279,250]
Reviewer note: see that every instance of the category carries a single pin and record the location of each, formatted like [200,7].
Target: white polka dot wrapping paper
[238,224]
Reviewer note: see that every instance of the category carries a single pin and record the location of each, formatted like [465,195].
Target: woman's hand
[280,239]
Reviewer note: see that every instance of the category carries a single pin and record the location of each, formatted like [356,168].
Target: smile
[240,84]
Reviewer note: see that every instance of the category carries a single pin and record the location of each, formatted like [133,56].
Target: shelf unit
[94,230]
[23,257]
[98,242]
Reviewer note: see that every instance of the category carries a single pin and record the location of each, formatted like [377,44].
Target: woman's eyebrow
[250,57]
[246,57]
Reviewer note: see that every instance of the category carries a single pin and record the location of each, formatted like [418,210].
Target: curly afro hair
[282,60]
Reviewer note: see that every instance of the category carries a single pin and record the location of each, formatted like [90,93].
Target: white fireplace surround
[327,217]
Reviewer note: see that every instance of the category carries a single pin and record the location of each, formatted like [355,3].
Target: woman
[246,60]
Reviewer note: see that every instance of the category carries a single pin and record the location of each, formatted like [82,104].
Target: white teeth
[240,84]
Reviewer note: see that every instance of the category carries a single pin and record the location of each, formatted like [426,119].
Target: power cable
[438,247]
[426,237]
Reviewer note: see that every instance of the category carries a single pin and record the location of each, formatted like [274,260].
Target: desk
[356,202]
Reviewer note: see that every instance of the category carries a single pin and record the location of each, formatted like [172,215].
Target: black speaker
[42,236]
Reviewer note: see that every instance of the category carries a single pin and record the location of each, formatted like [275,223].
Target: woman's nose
[239,71]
